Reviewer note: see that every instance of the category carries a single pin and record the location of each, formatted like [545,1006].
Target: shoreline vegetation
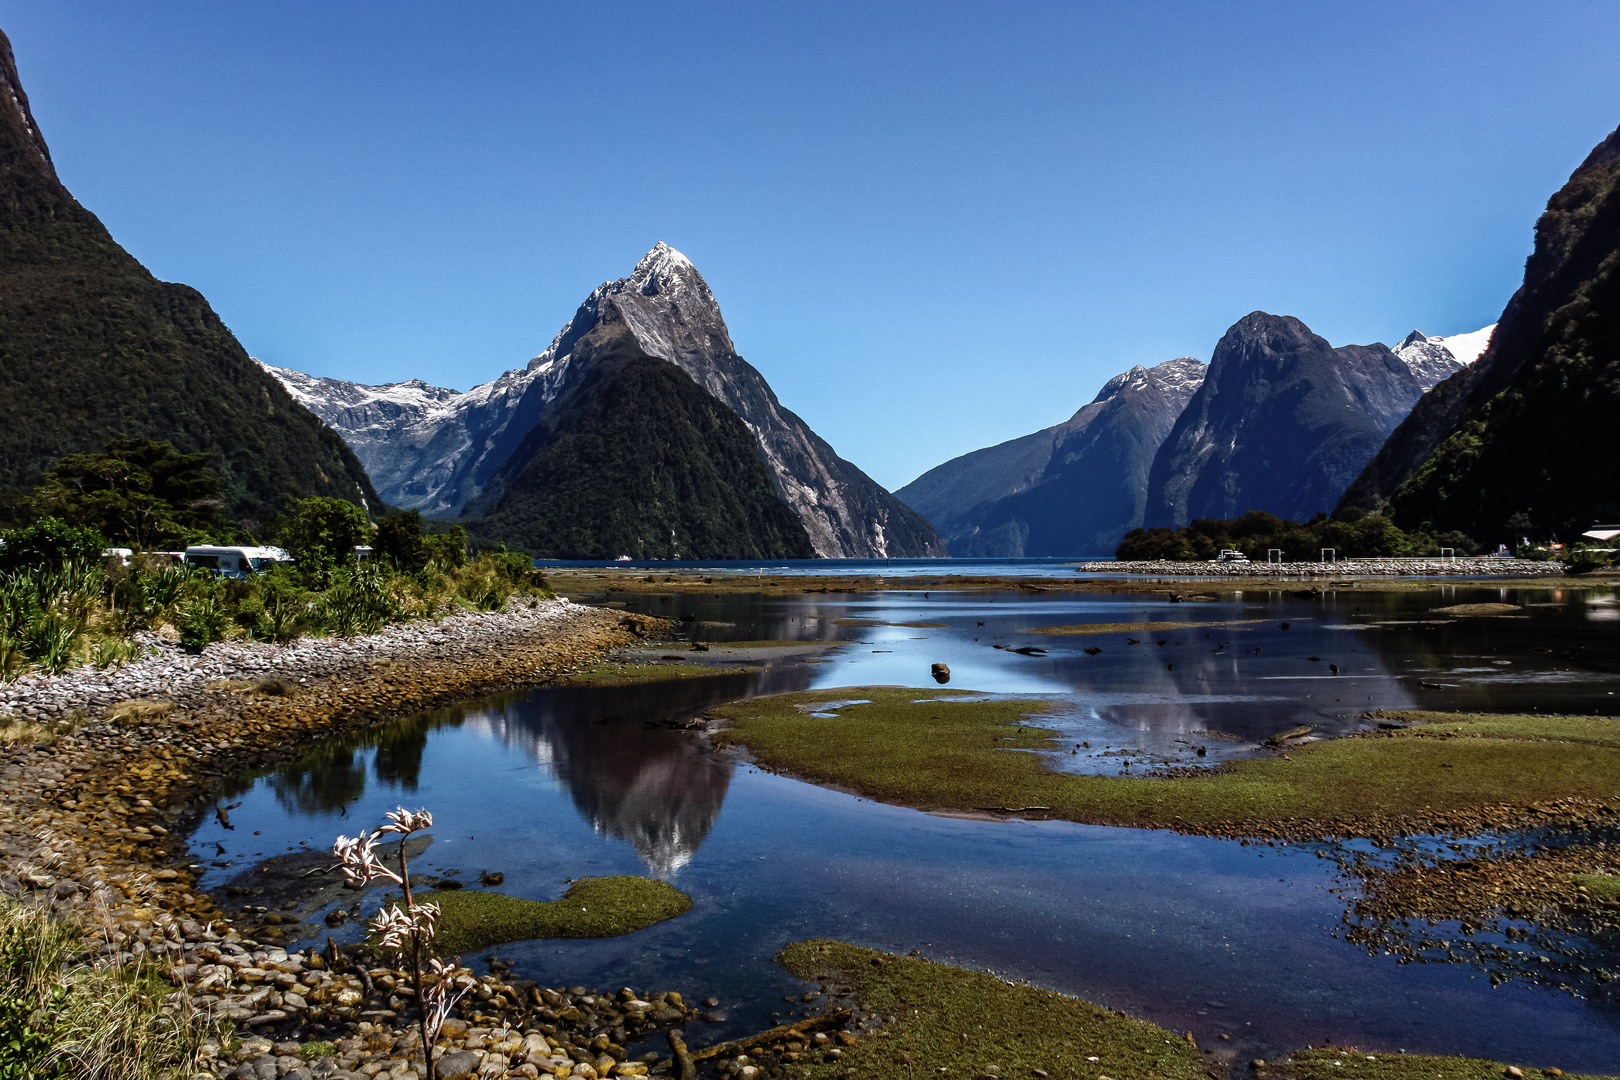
[945,750]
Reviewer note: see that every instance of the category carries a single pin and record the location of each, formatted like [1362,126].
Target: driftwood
[786,1031]
[1009,809]
[1292,733]
[684,1069]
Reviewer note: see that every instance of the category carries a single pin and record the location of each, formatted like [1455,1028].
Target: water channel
[1201,935]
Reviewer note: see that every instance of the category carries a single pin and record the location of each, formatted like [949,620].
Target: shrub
[50,542]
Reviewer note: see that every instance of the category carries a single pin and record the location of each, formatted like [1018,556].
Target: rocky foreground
[93,821]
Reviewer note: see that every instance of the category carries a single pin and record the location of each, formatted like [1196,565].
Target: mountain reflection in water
[630,773]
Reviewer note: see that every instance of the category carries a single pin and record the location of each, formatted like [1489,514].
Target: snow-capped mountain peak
[1435,359]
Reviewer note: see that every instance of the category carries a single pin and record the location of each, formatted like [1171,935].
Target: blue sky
[931,226]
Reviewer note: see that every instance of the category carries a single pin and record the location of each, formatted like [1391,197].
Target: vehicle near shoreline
[234,562]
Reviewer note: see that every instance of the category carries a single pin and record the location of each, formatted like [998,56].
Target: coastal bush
[1351,536]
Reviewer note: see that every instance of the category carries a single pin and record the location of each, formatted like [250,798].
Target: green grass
[1017,1028]
[632,674]
[1603,886]
[1020,1028]
[939,750]
[1340,1062]
[471,919]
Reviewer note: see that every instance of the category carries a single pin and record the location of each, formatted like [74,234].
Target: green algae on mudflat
[1340,1062]
[609,674]
[942,750]
[1014,1028]
[472,919]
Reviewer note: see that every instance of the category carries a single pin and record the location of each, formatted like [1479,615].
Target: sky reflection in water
[1197,934]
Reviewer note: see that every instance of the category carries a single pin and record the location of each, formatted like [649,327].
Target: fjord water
[1200,935]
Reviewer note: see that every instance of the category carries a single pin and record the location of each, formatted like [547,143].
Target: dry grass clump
[15,731]
[253,688]
[134,711]
[60,1017]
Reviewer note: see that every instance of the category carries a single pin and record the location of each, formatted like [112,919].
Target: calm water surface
[1200,935]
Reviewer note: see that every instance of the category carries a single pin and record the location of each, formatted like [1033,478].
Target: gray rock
[460,1063]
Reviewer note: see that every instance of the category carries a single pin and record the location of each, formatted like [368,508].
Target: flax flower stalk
[409,929]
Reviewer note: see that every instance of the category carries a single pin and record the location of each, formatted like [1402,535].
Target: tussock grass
[471,919]
[60,1018]
[135,711]
[931,749]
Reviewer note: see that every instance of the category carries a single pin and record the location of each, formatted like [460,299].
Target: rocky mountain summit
[94,348]
[1435,359]
[1283,422]
[1071,489]
[438,451]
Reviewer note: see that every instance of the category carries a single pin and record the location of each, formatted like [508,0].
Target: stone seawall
[1345,568]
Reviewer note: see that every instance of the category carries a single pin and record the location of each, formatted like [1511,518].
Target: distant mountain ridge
[1295,413]
[1524,429]
[1071,489]
[94,348]
[438,451]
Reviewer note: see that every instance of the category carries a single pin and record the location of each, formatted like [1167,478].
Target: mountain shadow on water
[636,459]
[94,348]
[1529,428]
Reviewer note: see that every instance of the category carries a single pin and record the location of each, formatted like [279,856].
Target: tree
[138,492]
[399,540]
[322,532]
[448,549]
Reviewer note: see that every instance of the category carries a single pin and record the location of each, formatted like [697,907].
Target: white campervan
[234,561]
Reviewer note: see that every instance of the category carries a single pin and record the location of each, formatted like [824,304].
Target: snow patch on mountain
[1435,359]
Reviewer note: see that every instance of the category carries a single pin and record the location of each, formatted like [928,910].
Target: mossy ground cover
[950,1021]
[947,750]
[610,674]
[471,919]
[1340,1062]
[949,1018]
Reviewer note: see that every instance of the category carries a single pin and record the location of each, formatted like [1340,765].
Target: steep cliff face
[93,348]
[1524,430]
[444,452]
[635,459]
[1071,489]
[1282,423]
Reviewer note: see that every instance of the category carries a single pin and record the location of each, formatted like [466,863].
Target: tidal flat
[1277,945]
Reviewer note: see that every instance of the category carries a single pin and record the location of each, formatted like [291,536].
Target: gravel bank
[93,825]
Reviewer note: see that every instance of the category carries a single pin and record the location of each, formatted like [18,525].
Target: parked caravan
[234,562]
